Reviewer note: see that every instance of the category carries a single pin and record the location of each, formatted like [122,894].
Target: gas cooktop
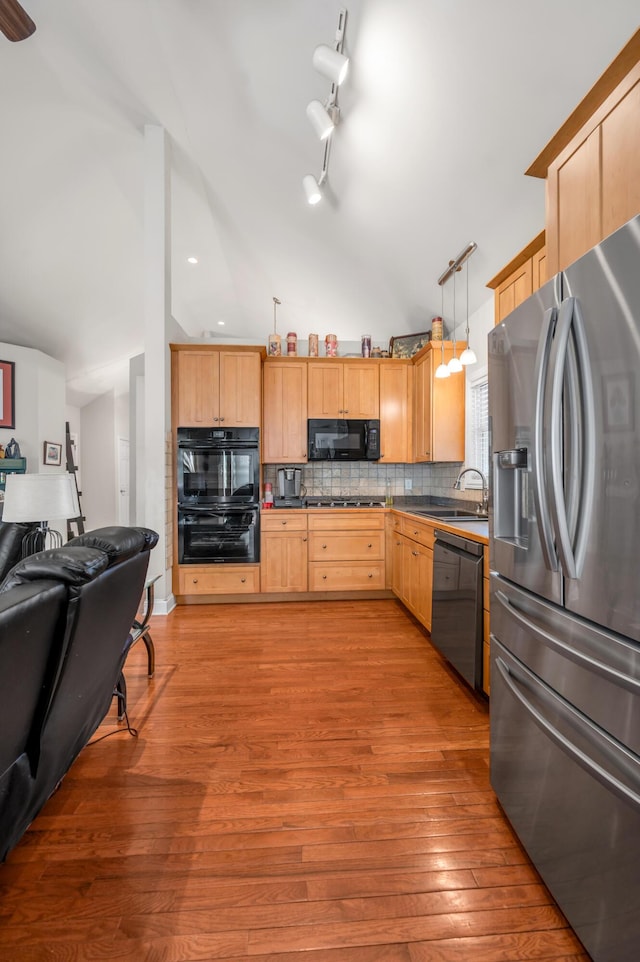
[344,503]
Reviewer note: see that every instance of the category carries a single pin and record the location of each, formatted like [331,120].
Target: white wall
[98,462]
[39,405]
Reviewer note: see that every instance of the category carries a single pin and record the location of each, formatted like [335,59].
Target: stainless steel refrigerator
[564,403]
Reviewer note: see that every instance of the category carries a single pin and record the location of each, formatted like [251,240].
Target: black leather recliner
[101,575]
[12,534]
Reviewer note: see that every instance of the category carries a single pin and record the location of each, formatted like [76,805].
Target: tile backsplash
[324,479]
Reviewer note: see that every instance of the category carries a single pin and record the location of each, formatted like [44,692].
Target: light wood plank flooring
[310,784]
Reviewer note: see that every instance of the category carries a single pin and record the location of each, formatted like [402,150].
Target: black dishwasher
[456,618]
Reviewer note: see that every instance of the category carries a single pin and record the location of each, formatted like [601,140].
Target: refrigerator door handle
[591,664]
[588,438]
[539,431]
[613,752]
[554,439]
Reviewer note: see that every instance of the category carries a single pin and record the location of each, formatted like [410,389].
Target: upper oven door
[212,471]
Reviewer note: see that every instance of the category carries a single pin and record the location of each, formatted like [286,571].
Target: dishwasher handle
[462,544]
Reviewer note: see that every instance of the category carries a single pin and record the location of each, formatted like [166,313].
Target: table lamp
[40,498]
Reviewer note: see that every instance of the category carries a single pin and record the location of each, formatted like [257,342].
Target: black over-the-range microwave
[333,439]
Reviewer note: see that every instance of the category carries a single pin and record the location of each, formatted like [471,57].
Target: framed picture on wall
[7,395]
[52,453]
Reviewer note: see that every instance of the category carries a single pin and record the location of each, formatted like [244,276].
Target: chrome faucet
[484,504]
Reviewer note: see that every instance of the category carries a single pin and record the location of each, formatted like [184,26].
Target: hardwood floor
[309,784]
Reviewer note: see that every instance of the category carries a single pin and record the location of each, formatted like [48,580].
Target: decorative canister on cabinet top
[275,345]
[331,345]
[292,344]
[436,329]
[313,345]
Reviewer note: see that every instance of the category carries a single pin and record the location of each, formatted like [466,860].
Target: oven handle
[220,446]
[218,509]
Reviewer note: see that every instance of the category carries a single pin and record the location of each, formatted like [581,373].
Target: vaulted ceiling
[446,104]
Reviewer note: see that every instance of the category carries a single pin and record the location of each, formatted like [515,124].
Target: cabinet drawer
[356,519]
[346,576]
[279,520]
[417,531]
[218,579]
[346,546]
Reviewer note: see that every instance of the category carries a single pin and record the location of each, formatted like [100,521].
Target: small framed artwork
[52,453]
[408,344]
[7,395]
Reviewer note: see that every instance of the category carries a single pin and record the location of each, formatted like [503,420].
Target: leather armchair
[101,576]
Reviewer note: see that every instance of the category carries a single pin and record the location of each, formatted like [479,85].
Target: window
[477,442]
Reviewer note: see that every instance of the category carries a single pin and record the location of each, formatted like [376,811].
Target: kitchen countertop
[473,530]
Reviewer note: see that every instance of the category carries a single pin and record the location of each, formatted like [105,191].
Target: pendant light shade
[443,370]
[330,63]
[321,121]
[311,189]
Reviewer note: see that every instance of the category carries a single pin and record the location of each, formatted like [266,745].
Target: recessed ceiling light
[221,323]
[192,260]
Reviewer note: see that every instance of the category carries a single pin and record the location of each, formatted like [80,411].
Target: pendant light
[442,370]
[468,356]
[454,364]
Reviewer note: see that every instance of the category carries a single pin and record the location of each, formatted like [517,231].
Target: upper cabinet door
[361,391]
[395,411]
[284,435]
[240,389]
[198,389]
[325,389]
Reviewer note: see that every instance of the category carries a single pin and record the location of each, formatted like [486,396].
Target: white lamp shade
[40,497]
[330,63]
[321,122]
[468,356]
[454,365]
[311,189]
[443,371]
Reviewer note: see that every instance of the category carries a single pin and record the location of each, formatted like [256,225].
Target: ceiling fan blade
[15,23]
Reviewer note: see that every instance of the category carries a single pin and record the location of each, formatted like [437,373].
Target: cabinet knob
[324,577]
[370,575]
[242,581]
[427,452]
[304,539]
[216,419]
[415,553]
[195,581]
[369,546]
[222,419]
[324,546]
[284,522]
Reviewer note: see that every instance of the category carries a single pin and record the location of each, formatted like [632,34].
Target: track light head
[321,119]
[330,63]
[311,189]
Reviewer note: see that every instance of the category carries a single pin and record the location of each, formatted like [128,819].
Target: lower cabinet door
[284,561]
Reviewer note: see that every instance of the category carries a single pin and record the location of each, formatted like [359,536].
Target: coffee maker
[289,488]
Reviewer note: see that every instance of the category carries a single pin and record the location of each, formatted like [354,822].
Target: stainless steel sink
[451,514]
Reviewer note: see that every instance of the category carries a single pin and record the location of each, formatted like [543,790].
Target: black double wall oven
[218,495]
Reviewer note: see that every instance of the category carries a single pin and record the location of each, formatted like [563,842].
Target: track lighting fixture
[311,189]
[332,64]
[456,364]
[321,120]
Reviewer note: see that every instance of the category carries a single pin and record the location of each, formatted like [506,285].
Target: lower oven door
[219,535]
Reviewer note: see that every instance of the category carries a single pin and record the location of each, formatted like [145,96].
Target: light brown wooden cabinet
[396,385]
[523,275]
[230,579]
[343,388]
[591,163]
[284,436]
[284,554]
[438,406]
[413,568]
[346,550]
[216,387]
